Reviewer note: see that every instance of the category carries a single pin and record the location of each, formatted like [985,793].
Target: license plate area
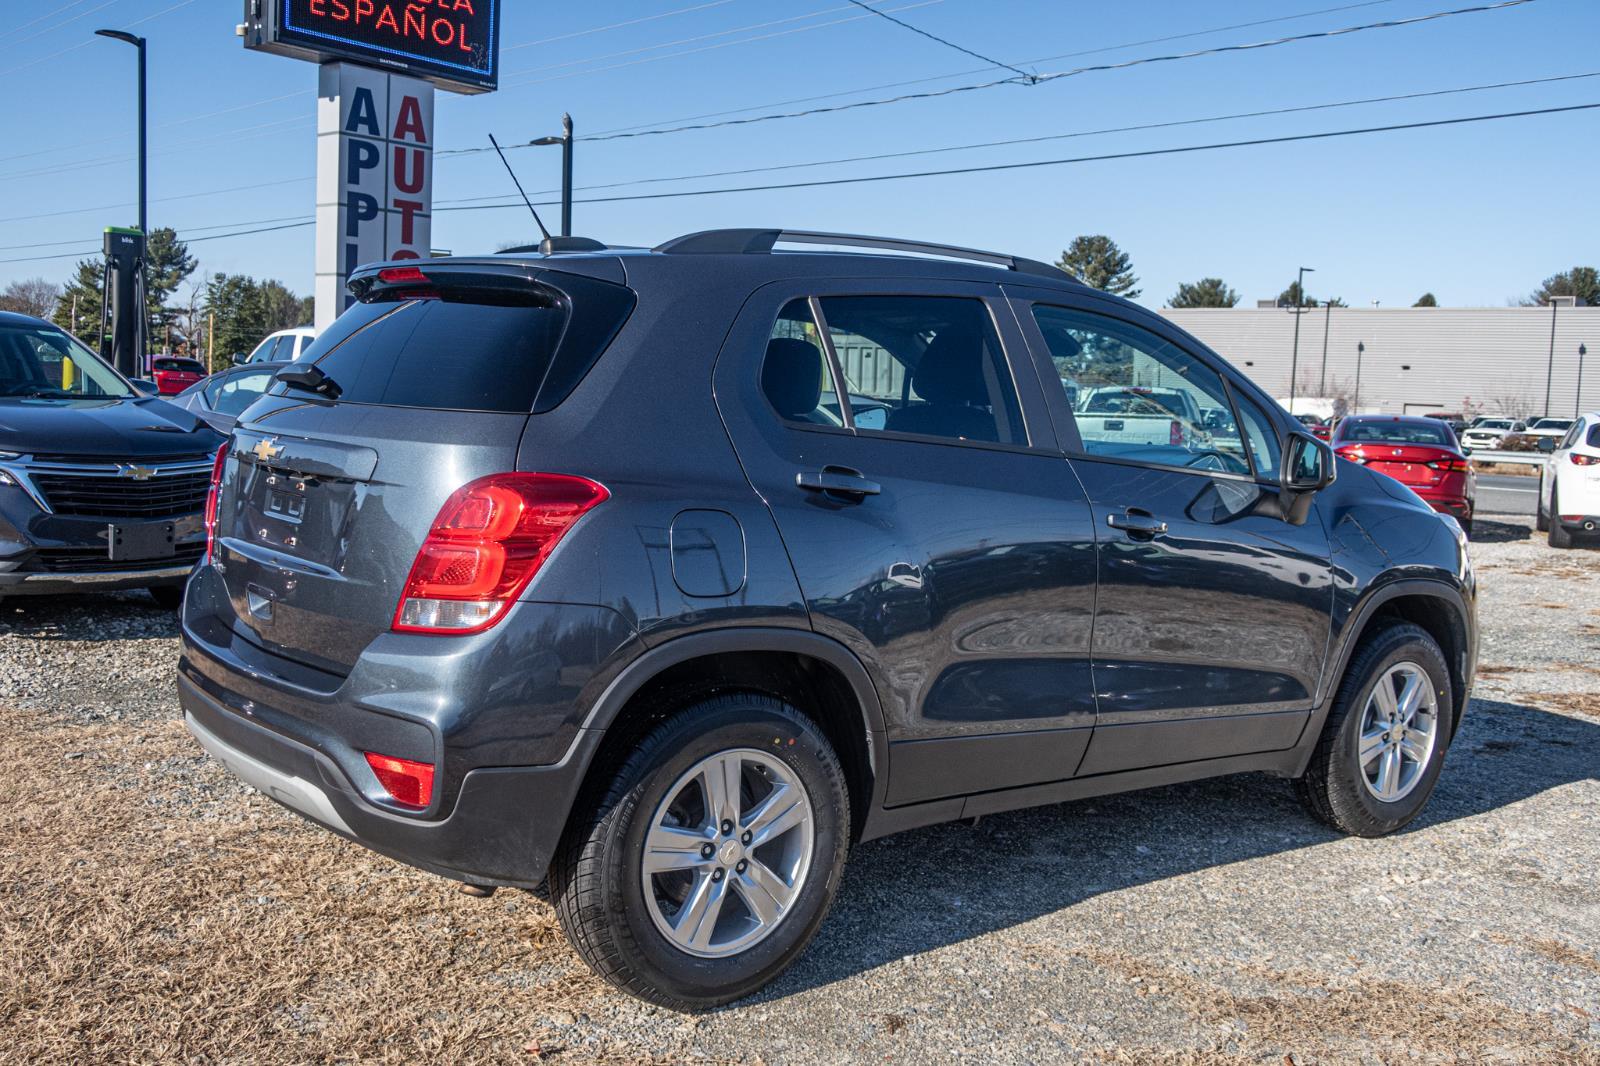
[140,541]
[288,503]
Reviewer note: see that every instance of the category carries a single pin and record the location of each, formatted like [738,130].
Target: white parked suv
[283,346]
[1490,432]
[1569,486]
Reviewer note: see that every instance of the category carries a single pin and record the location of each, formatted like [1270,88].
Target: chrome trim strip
[93,577]
[21,471]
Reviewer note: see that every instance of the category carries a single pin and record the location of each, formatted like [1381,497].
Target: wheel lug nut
[742,866]
[727,828]
[706,851]
[716,875]
[746,838]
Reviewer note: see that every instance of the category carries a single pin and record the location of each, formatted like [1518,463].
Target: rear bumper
[504,826]
[1589,523]
[1456,506]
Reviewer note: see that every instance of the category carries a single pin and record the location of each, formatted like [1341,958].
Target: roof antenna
[518,184]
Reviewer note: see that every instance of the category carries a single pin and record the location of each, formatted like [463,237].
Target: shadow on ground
[933,887]
[1488,531]
[91,617]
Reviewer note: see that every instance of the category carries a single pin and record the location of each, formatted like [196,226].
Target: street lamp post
[1361,347]
[1577,394]
[1299,300]
[139,43]
[565,141]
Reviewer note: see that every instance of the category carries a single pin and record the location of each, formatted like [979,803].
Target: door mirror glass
[1310,464]
[1547,444]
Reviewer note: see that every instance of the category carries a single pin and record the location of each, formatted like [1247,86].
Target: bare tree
[31,296]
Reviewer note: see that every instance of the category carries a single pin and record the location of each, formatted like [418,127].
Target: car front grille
[122,497]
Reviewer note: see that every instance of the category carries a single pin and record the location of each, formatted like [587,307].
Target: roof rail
[760,241]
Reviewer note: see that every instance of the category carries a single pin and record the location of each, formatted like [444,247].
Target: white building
[1494,360]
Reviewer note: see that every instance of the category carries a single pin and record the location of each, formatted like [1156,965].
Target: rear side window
[474,343]
[929,365]
[1593,439]
[794,374]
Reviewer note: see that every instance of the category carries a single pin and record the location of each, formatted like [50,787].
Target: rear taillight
[1583,460]
[489,540]
[1354,454]
[1449,464]
[211,498]
[409,784]
[1175,434]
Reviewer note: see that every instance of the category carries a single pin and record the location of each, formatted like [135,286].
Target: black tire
[1466,526]
[1559,535]
[1541,520]
[167,597]
[596,877]
[1334,788]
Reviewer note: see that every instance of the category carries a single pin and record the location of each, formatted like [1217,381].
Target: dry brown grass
[1566,702]
[219,928]
[1324,1018]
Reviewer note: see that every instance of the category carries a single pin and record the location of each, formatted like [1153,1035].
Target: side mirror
[1546,444]
[1466,451]
[144,386]
[1308,464]
[239,358]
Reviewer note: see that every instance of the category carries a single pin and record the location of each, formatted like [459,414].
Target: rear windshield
[1399,433]
[494,344]
[1593,439]
[188,366]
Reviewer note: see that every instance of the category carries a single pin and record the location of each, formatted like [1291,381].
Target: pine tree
[1427,299]
[168,265]
[1099,263]
[1207,292]
[1582,282]
[78,309]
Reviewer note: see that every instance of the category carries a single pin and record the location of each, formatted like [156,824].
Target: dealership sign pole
[381,60]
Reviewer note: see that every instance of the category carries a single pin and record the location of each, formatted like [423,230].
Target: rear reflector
[211,498]
[488,542]
[1175,434]
[410,784]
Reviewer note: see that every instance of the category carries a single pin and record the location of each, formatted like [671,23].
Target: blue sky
[1477,214]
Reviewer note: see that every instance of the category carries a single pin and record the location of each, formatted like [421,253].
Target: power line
[967,73]
[906,176]
[993,167]
[85,44]
[41,18]
[160,199]
[940,40]
[696,51]
[64,22]
[615,25]
[1058,75]
[1424,94]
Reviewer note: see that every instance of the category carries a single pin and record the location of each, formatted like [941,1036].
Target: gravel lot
[152,910]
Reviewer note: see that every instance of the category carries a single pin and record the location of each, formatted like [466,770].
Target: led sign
[455,44]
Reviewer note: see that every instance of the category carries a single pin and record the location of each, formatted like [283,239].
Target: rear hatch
[426,383]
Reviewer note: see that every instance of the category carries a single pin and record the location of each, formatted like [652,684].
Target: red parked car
[1422,454]
[173,375]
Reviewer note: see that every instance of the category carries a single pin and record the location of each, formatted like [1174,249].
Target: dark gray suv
[667,576]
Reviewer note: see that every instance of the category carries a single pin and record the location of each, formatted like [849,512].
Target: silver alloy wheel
[727,852]
[1399,730]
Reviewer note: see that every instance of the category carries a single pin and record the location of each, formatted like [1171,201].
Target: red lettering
[415,20]
[449,28]
[363,7]
[387,20]
[465,47]
[404,253]
[341,10]
[408,214]
[413,182]
[408,126]
[319,8]
[465,5]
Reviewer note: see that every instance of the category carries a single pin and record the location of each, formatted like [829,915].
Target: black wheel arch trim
[1356,627]
[660,657]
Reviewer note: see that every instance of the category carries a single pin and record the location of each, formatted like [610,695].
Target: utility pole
[141,341]
[211,341]
[1327,322]
[1299,300]
[1577,394]
[1361,347]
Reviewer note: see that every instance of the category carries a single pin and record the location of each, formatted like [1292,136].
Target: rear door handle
[838,481]
[1137,523]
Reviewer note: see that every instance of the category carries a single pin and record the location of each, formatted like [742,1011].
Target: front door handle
[838,481]
[1141,525]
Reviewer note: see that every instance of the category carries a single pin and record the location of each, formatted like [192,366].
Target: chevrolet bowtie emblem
[137,473]
[265,450]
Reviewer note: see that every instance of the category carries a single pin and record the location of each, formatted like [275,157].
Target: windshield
[1131,402]
[1398,433]
[41,362]
[1493,423]
[1553,423]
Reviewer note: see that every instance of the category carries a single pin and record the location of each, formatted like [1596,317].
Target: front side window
[928,365]
[240,391]
[44,363]
[1136,396]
